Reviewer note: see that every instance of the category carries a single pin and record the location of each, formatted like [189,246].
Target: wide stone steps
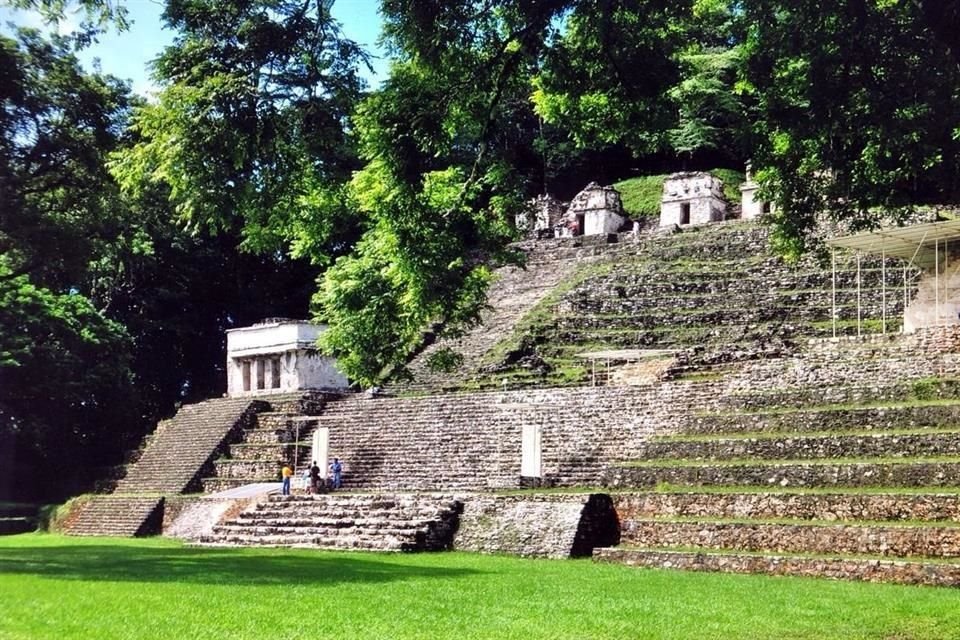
[916,571]
[898,540]
[378,542]
[905,444]
[917,415]
[410,522]
[822,473]
[115,515]
[920,505]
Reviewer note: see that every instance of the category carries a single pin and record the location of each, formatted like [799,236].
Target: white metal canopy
[626,354]
[917,244]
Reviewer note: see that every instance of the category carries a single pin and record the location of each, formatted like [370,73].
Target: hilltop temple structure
[688,199]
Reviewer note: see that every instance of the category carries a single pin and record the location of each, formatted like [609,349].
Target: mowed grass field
[57,587]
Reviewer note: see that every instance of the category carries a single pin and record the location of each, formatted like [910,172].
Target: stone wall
[699,195]
[552,526]
[812,506]
[473,441]
[918,572]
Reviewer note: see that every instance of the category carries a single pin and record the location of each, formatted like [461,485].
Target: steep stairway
[866,492]
[514,294]
[180,447]
[176,457]
[373,522]
[117,515]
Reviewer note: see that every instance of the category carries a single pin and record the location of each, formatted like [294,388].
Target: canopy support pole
[833,314]
[883,290]
[859,332]
[904,327]
[936,281]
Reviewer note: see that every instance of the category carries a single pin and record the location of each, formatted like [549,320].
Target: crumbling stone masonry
[692,198]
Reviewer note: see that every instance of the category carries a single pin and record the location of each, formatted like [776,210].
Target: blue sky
[126,55]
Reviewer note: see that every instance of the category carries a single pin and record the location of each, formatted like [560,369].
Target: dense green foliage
[63,362]
[858,109]
[267,175]
[110,313]
[62,588]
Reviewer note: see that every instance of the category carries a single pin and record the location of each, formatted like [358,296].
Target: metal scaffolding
[917,245]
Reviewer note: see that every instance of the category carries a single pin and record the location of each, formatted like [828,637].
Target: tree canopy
[267,179]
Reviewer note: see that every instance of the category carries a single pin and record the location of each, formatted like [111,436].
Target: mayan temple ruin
[703,404]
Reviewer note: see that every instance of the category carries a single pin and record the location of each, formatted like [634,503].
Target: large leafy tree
[441,141]
[859,109]
[250,131]
[63,362]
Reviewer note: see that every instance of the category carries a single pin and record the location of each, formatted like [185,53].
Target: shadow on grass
[208,566]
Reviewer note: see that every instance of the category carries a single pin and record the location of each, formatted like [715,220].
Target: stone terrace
[714,292]
[868,488]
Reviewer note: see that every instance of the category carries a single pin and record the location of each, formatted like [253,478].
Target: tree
[63,364]
[603,79]
[440,142]
[250,133]
[857,111]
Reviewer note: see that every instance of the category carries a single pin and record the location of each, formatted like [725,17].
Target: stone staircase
[860,492]
[117,515]
[270,441]
[180,447]
[515,293]
[177,456]
[373,522]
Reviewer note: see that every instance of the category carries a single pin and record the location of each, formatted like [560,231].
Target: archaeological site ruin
[662,395]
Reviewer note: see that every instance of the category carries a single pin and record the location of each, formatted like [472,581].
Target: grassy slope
[55,587]
[641,196]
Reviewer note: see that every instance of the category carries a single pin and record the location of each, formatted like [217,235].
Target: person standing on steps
[314,478]
[286,473]
[336,468]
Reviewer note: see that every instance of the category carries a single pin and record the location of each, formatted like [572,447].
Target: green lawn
[56,587]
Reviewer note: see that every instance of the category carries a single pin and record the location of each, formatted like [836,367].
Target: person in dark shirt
[314,478]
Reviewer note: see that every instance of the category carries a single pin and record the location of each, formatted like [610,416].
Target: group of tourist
[311,477]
